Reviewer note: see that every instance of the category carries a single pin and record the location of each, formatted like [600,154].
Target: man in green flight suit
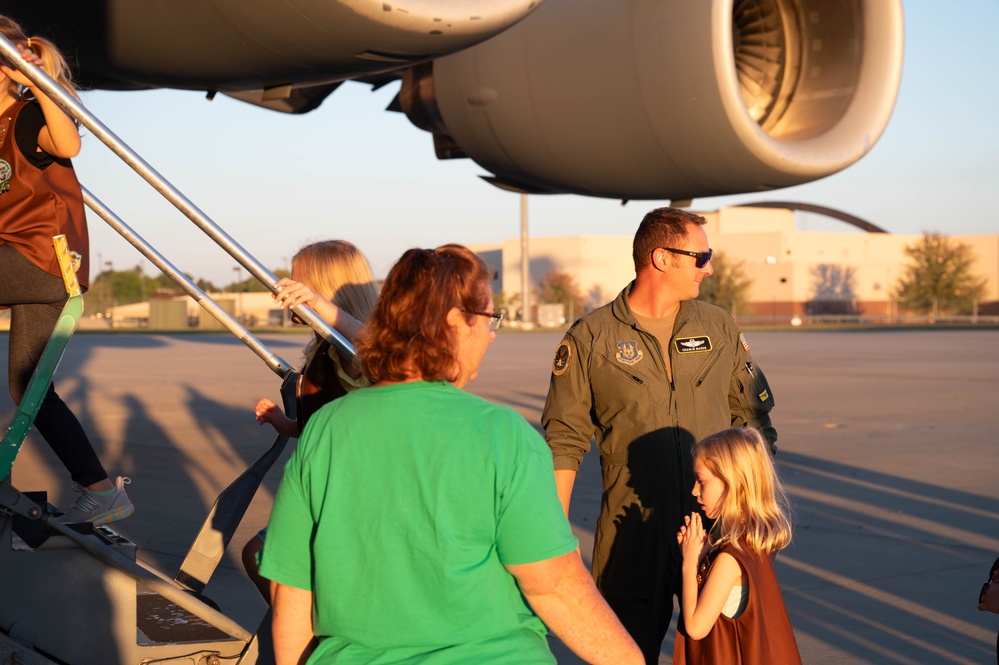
[648,375]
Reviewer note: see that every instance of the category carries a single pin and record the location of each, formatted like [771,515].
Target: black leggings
[36,299]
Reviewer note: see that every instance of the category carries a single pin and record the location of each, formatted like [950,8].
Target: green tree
[728,285]
[97,299]
[162,285]
[117,287]
[205,285]
[252,285]
[940,277]
[560,287]
[242,286]
[129,286]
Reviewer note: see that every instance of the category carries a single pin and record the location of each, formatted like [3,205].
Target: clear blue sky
[351,170]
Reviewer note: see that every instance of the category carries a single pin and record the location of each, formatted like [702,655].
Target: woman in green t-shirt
[419,523]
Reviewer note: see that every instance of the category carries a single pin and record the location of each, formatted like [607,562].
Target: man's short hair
[662,227]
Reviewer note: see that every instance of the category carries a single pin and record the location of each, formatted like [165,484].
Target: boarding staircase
[79,594]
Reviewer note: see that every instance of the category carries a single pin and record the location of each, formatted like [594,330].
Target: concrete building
[253,310]
[793,272]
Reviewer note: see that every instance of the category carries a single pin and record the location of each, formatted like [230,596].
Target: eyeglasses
[700,258]
[495,319]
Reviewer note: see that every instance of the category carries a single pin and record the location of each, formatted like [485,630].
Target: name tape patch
[699,344]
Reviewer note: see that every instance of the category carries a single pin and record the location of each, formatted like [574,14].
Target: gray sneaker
[90,507]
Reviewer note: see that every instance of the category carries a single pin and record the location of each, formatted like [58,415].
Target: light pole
[285,313]
[239,294]
[102,302]
[772,261]
[525,266]
[110,266]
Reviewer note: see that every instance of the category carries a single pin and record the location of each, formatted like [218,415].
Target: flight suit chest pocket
[694,365]
[619,386]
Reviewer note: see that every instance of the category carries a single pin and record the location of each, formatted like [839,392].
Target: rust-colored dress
[761,635]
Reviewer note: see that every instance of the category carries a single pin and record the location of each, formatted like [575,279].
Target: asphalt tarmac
[889,447]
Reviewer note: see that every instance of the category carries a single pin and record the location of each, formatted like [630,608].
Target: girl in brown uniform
[733,610]
[41,198]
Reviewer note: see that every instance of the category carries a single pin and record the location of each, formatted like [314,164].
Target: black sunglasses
[495,319]
[700,258]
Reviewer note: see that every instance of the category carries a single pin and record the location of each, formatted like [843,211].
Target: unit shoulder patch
[563,353]
[698,344]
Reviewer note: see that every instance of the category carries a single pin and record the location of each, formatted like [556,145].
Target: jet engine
[285,55]
[645,99]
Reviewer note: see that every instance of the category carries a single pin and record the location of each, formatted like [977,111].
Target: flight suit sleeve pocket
[751,401]
[753,384]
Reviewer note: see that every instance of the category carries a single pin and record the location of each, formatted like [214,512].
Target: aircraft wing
[630,99]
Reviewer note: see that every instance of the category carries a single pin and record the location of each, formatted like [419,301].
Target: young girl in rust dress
[733,610]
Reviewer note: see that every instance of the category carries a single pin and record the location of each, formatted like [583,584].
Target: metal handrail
[76,109]
[273,361]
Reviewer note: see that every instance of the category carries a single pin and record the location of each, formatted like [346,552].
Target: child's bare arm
[701,610]
[59,137]
[267,411]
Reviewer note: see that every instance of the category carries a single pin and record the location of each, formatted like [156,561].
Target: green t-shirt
[399,509]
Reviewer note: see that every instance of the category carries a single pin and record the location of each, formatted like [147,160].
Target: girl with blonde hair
[334,278]
[733,610]
[40,197]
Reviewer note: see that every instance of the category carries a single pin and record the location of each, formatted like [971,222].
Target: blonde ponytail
[55,64]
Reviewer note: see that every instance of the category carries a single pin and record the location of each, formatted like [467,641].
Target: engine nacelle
[637,99]
[243,45]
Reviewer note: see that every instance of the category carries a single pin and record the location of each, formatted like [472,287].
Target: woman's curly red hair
[408,334]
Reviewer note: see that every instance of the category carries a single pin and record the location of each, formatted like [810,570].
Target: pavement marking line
[950,505]
[889,654]
[892,600]
[938,529]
